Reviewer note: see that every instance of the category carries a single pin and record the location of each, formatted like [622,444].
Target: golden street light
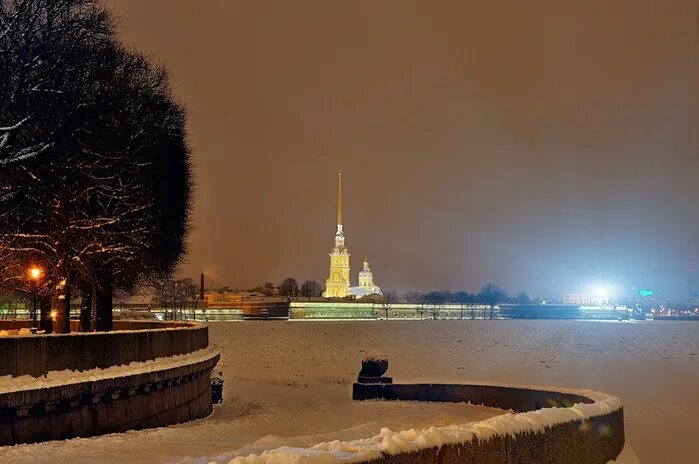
[35,273]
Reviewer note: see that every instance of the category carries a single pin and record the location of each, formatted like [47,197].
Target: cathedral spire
[338,282]
[339,199]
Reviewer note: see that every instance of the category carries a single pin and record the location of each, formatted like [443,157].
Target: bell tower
[338,282]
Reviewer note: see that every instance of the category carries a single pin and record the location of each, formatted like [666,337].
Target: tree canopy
[94,165]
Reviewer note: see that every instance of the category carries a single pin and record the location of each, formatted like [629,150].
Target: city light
[53,315]
[644,292]
[601,291]
[35,273]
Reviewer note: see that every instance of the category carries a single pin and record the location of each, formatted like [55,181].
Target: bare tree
[435,299]
[289,287]
[491,295]
[523,298]
[267,289]
[174,295]
[311,289]
[418,299]
[191,295]
[388,299]
[462,298]
[122,296]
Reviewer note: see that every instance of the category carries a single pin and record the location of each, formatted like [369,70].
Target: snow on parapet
[184,326]
[406,441]
[9,384]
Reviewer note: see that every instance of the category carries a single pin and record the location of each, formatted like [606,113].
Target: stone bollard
[373,369]
[216,387]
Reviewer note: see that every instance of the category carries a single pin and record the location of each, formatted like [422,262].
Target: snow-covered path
[289,382]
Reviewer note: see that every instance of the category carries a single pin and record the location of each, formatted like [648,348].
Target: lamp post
[35,274]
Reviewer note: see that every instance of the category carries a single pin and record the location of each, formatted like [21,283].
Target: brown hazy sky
[535,144]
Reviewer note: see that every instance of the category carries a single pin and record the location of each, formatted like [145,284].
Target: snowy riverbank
[288,383]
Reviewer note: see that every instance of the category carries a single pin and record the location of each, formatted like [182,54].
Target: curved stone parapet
[132,379]
[130,341]
[548,425]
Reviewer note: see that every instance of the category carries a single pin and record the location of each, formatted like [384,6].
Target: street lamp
[35,274]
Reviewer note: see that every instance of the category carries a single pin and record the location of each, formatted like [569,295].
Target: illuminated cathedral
[366,283]
[337,285]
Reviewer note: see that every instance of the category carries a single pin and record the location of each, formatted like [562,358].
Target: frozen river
[290,383]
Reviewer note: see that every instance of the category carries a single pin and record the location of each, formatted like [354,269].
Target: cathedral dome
[366,282]
[366,271]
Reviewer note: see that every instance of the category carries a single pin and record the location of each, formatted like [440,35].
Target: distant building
[337,285]
[338,282]
[585,299]
[366,283]
[227,296]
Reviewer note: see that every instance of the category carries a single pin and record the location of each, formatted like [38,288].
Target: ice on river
[289,383]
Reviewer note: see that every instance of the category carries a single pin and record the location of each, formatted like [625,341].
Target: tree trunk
[104,306]
[63,308]
[86,310]
[45,324]
[93,308]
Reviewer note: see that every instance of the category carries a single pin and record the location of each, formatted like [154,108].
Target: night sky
[540,145]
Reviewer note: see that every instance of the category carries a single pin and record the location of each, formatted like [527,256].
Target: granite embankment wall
[36,355]
[162,394]
[594,440]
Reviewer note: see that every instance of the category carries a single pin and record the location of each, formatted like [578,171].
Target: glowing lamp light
[53,315]
[35,273]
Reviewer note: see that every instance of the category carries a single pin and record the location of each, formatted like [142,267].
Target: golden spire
[339,199]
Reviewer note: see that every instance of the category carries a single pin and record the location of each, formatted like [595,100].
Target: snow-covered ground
[288,383]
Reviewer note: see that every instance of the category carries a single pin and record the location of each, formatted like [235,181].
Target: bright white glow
[601,291]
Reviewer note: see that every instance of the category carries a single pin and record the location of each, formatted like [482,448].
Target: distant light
[601,291]
[53,315]
[645,292]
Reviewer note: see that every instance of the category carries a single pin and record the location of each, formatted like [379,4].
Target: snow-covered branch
[27,153]
[15,126]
